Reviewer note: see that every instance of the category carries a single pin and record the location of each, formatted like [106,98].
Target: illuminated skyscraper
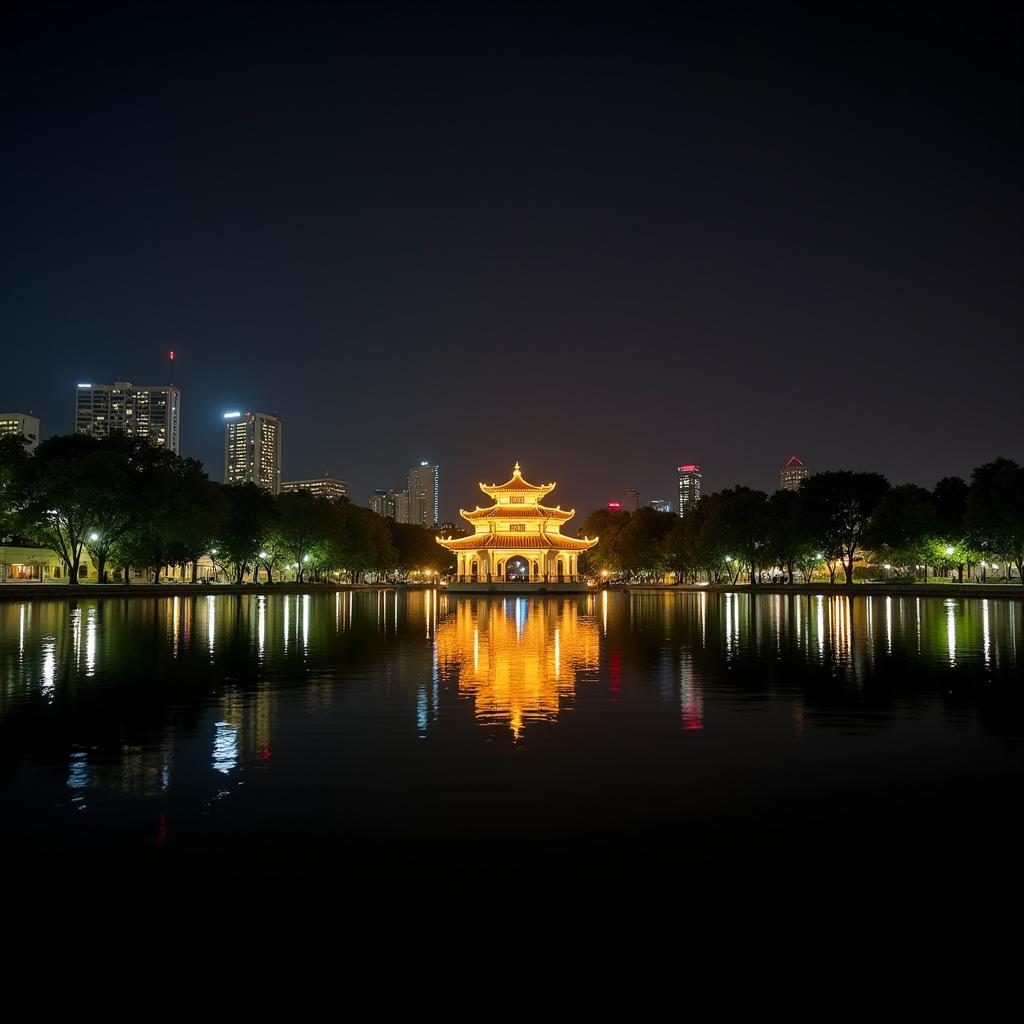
[660,505]
[252,450]
[793,474]
[320,487]
[689,488]
[387,504]
[153,412]
[21,424]
[424,495]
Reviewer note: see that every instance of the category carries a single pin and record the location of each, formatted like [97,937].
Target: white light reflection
[91,629]
[986,639]
[604,612]
[49,666]
[211,622]
[888,625]
[821,626]
[76,635]
[558,655]
[951,630]
[21,631]
[703,616]
[175,622]
[261,624]
[305,623]
[225,747]
[287,616]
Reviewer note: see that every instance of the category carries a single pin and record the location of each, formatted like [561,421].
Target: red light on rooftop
[794,460]
[614,506]
[689,469]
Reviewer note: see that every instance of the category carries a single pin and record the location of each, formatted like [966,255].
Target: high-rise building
[22,424]
[614,506]
[689,488]
[424,495]
[252,450]
[660,505]
[793,474]
[632,501]
[401,506]
[322,487]
[153,412]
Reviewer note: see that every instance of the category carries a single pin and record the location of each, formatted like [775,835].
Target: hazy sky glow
[601,242]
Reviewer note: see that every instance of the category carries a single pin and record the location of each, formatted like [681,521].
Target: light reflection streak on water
[305,623]
[986,638]
[728,622]
[21,631]
[76,635]
[395,617]
[821,627]
[951,630]
[287,613]
[175,623]
[49,666]
[703,616]
[691,700]
[558,653]
[604,612]
[211,622]
[261,625]
[888,625]
[476,649]
[78,778]
[225,747]
[90,641]
[778,623]
[918,612]
[520,615]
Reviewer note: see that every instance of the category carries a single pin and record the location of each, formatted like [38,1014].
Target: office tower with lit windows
[252,450]
[424,495]
[660,505]
[320,487]
[387,504]
[632,500]
[153,412]
[21,424]
[793,474]
[689,488]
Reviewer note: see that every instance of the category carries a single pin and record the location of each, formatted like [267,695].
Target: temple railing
[549,578]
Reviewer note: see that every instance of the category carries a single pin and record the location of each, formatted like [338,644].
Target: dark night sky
[602,240]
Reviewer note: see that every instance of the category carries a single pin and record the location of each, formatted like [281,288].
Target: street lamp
[94,536]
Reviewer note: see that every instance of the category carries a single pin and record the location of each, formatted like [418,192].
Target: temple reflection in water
[518,659]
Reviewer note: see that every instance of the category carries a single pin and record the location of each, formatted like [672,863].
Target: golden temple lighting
[517,658]
[517,539]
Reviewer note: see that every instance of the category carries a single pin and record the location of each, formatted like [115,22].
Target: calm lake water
[425,732]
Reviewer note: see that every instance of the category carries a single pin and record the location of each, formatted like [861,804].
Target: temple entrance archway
[517,569]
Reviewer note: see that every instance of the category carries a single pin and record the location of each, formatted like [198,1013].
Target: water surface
[385,731]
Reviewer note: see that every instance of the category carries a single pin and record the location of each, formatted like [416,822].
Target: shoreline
[107,591]
[834,589]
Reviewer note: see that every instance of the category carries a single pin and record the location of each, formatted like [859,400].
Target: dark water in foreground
[426,733]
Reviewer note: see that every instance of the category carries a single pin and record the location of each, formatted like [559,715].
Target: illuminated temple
[517,543]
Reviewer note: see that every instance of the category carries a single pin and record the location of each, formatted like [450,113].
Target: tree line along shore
[116,508]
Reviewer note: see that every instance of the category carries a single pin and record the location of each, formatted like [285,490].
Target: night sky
[603,241]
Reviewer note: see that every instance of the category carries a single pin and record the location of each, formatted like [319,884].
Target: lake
[415,731]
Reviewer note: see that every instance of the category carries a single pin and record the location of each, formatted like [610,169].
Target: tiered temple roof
[517,521]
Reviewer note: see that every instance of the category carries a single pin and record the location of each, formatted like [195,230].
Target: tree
[301,523]
[995,511]
[744,515]
[790,544]
[903,526]
[839,506]
[250,513]
[60,497]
